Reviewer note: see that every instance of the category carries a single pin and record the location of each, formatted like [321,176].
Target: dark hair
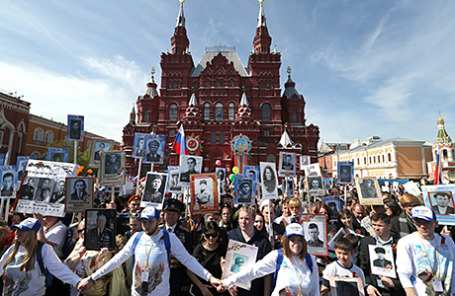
[8,175]
[353,239]
[344,244]
[381,216]
[344,212]
[210,225]
[312,225]
[393,206]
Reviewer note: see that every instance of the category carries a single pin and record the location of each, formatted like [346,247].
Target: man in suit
[101,148]
[7,184]
[80,190]
[152,191]
[244,191]
[153,155]
[28,190]
[443,200]
[191,162]
[100,236]
[75,129]
[313,233]
[179,281]
[112,164]
[140,151]
[381,261]
[59,195]
[287,163]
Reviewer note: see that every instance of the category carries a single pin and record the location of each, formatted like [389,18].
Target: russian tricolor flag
[179,145]
[438,169]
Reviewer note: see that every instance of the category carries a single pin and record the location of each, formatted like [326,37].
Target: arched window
[266,112]
[48,137]
[389,157]
[294,116]
[173,112]
[206,111]
[219,111]
[231,111]
[445,155]
[36,154]
[38,134]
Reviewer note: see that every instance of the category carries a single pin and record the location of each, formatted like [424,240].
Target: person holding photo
[297,273]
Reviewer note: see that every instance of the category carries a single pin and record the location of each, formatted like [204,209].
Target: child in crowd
[342,267]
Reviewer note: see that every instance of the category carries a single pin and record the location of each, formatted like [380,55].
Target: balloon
[235,170]
[232,177]
[218,162]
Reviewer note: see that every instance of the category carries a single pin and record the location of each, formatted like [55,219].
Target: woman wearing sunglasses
[209,253]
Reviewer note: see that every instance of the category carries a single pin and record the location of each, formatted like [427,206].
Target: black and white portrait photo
[154,148]
[381,260]
[75,127]
[79,194]
[139,145]
[313,235]
[345,172]
[99,229]
[269,183]
[315,228]
[173,179]
[287,163]
[315,183]
[57,154]
[155,185]
[112,168]
[44,190]
[27,191]
[97,147]
[79,189]
[100,147]
[288,186]
[312,170]
[442,202]
[112,163]
[8,178]
[221,177]
[189,165]
[204,191]
[346,287]
[243,191]
[59,192]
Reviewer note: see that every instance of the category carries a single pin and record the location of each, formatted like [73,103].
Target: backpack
[167,245]
[279,261]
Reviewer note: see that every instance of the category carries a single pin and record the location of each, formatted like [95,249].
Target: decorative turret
[442,136]
[150,91]
[133,116]
[179,40]
[286,141]
[262,40]
[289,87]
[192,111]
[244,110]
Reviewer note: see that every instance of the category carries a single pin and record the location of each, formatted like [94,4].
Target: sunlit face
[424,227]
[295,244]
[226,215]
[171,217]
[135,225]
[358,212]
[21,235]
[111,205]
[347,221]
[265,213]
[381,228]
[16,220]
[246,221]
[259,222]
[135,205]
[150,226]
[286,210]
[295,210]
[344,257]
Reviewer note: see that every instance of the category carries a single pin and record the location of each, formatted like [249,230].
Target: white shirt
[412,259]
[150,251]
[32,283]
[287,275]
[335,269]
[56,234]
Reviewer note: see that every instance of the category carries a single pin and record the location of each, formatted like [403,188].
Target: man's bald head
[359,211]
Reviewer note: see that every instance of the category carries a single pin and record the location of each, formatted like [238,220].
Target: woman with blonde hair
[23,264]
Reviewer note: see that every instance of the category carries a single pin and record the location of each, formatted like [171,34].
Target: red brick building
[219,98]
[14,117]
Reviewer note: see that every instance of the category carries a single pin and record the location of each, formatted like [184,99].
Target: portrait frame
[152,196]
[286,168]
[345,172]
[248,172]
[428,197]
[92,240]
[312,170]
[385,267]
[235,250]
[368,195]
[112,173]
[185,172]
[312,191]
[288,185]
[355,283]
[139,150]
[239,181]
[95,151]
[221,172]
[173,179]
[8,172]
[334,204]
[21,166]
[73,203]
[304,161]
[208,200]
[318,247]
[340,233]
[2,158]
[158,156]
[57,154]
[75,134]
[269,188]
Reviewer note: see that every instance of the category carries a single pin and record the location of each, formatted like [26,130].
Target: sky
[365,68]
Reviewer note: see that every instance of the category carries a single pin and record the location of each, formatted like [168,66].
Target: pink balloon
[218,162]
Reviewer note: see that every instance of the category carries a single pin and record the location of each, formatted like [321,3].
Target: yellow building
[386,159]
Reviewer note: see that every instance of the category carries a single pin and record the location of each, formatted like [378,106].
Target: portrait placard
[100,229]
[8,177]
[139,150]
[112,170]
[381,260]
[342,286]
[2,159]
[155,184]
[204,193]
[440,199]
[221,177]
[368,189]
[315,228]
[189,165]
[98,146]
[334,204]
[21,166]
[239,256]
[312,170]
[315,185]
[75,128]
[288,185]
[79,194]
[269,184]
[57,154]
[154,149]
[287,164]
[345,171]
[173,180]
[341,232]
[41,191]
[243,190]
[253,173]
[304,161]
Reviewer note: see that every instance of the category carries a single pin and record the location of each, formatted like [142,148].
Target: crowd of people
[176,252]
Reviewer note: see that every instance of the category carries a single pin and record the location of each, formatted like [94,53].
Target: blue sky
[364,67]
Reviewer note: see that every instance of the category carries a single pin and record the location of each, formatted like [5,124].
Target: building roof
[379,143]
[290,89]
[231,56]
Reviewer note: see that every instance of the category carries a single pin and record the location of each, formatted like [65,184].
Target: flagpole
[75,152]
[138,176]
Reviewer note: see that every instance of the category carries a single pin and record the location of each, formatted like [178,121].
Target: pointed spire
[181,17]
[261,18]
[244,101]
[286,140]
[442,136]
[133,116]
[193,101]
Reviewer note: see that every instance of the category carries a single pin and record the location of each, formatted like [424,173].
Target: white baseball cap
[422,212]
[28,224]
[149,213]
[294,229]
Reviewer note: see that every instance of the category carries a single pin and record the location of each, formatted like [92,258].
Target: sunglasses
[211,235]
[294,208]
